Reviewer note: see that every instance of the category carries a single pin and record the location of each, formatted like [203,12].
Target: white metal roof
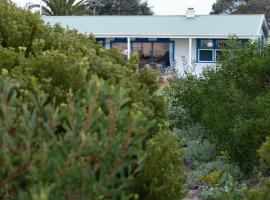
[165,26]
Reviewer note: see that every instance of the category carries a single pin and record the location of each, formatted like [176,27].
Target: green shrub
[226,189]
[185,92]
[94,155]
[205,169]
[264,153]
[162,175]
[262,193]
[199,152]
[76,116]
[231,102]
[259,194]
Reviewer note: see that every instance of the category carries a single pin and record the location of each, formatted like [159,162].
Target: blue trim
[197,48]
[261,41]
[152,53]
[173,42]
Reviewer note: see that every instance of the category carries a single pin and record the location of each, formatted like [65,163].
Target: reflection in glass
[145,51]
[204,44]
[154,53]
[221,44]
[120,46]
[161,54]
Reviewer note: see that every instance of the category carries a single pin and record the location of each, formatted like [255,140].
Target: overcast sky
[164,7]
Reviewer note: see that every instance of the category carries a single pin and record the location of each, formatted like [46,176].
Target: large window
[154,52]
[159,52]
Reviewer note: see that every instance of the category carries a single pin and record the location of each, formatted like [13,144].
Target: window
[120,46]
[218,54]
[221,44]
[204,44]
[209,50]
[101,40]
[206,55]
[220,47]
[161,54]
[143,49]
[154,52]
[151,52]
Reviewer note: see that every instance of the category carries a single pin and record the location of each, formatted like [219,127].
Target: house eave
[172,36]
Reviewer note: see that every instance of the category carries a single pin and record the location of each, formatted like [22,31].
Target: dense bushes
[231,101]
[162,175]
[222,116]
[259,194]
[63,60]
[75,117]
[93,156]
[262,193]
[264,153]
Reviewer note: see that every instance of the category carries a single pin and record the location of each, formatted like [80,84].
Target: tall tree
[63,7]
[242,7]
[119,7]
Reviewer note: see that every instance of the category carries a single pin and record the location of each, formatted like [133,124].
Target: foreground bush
[162,175]
[93,156]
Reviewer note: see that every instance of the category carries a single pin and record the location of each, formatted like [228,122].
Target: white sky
[163,7]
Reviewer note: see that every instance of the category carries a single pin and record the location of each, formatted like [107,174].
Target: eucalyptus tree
[119,7]
[63,7]
[242,7]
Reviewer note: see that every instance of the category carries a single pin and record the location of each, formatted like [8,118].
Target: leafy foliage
[226,189]
[264,153]
[259,194]
[231,101]
[119,7]
[64,60]
[162,175]
[74,117]
[92,156]
[63,7]
[95,7]
[263,193]
[242,7]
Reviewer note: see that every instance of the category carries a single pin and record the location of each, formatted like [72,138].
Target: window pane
[205,55]
[218,54]
[144,50]
[162,54]
[221,44]
[204,44]
[120,46]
